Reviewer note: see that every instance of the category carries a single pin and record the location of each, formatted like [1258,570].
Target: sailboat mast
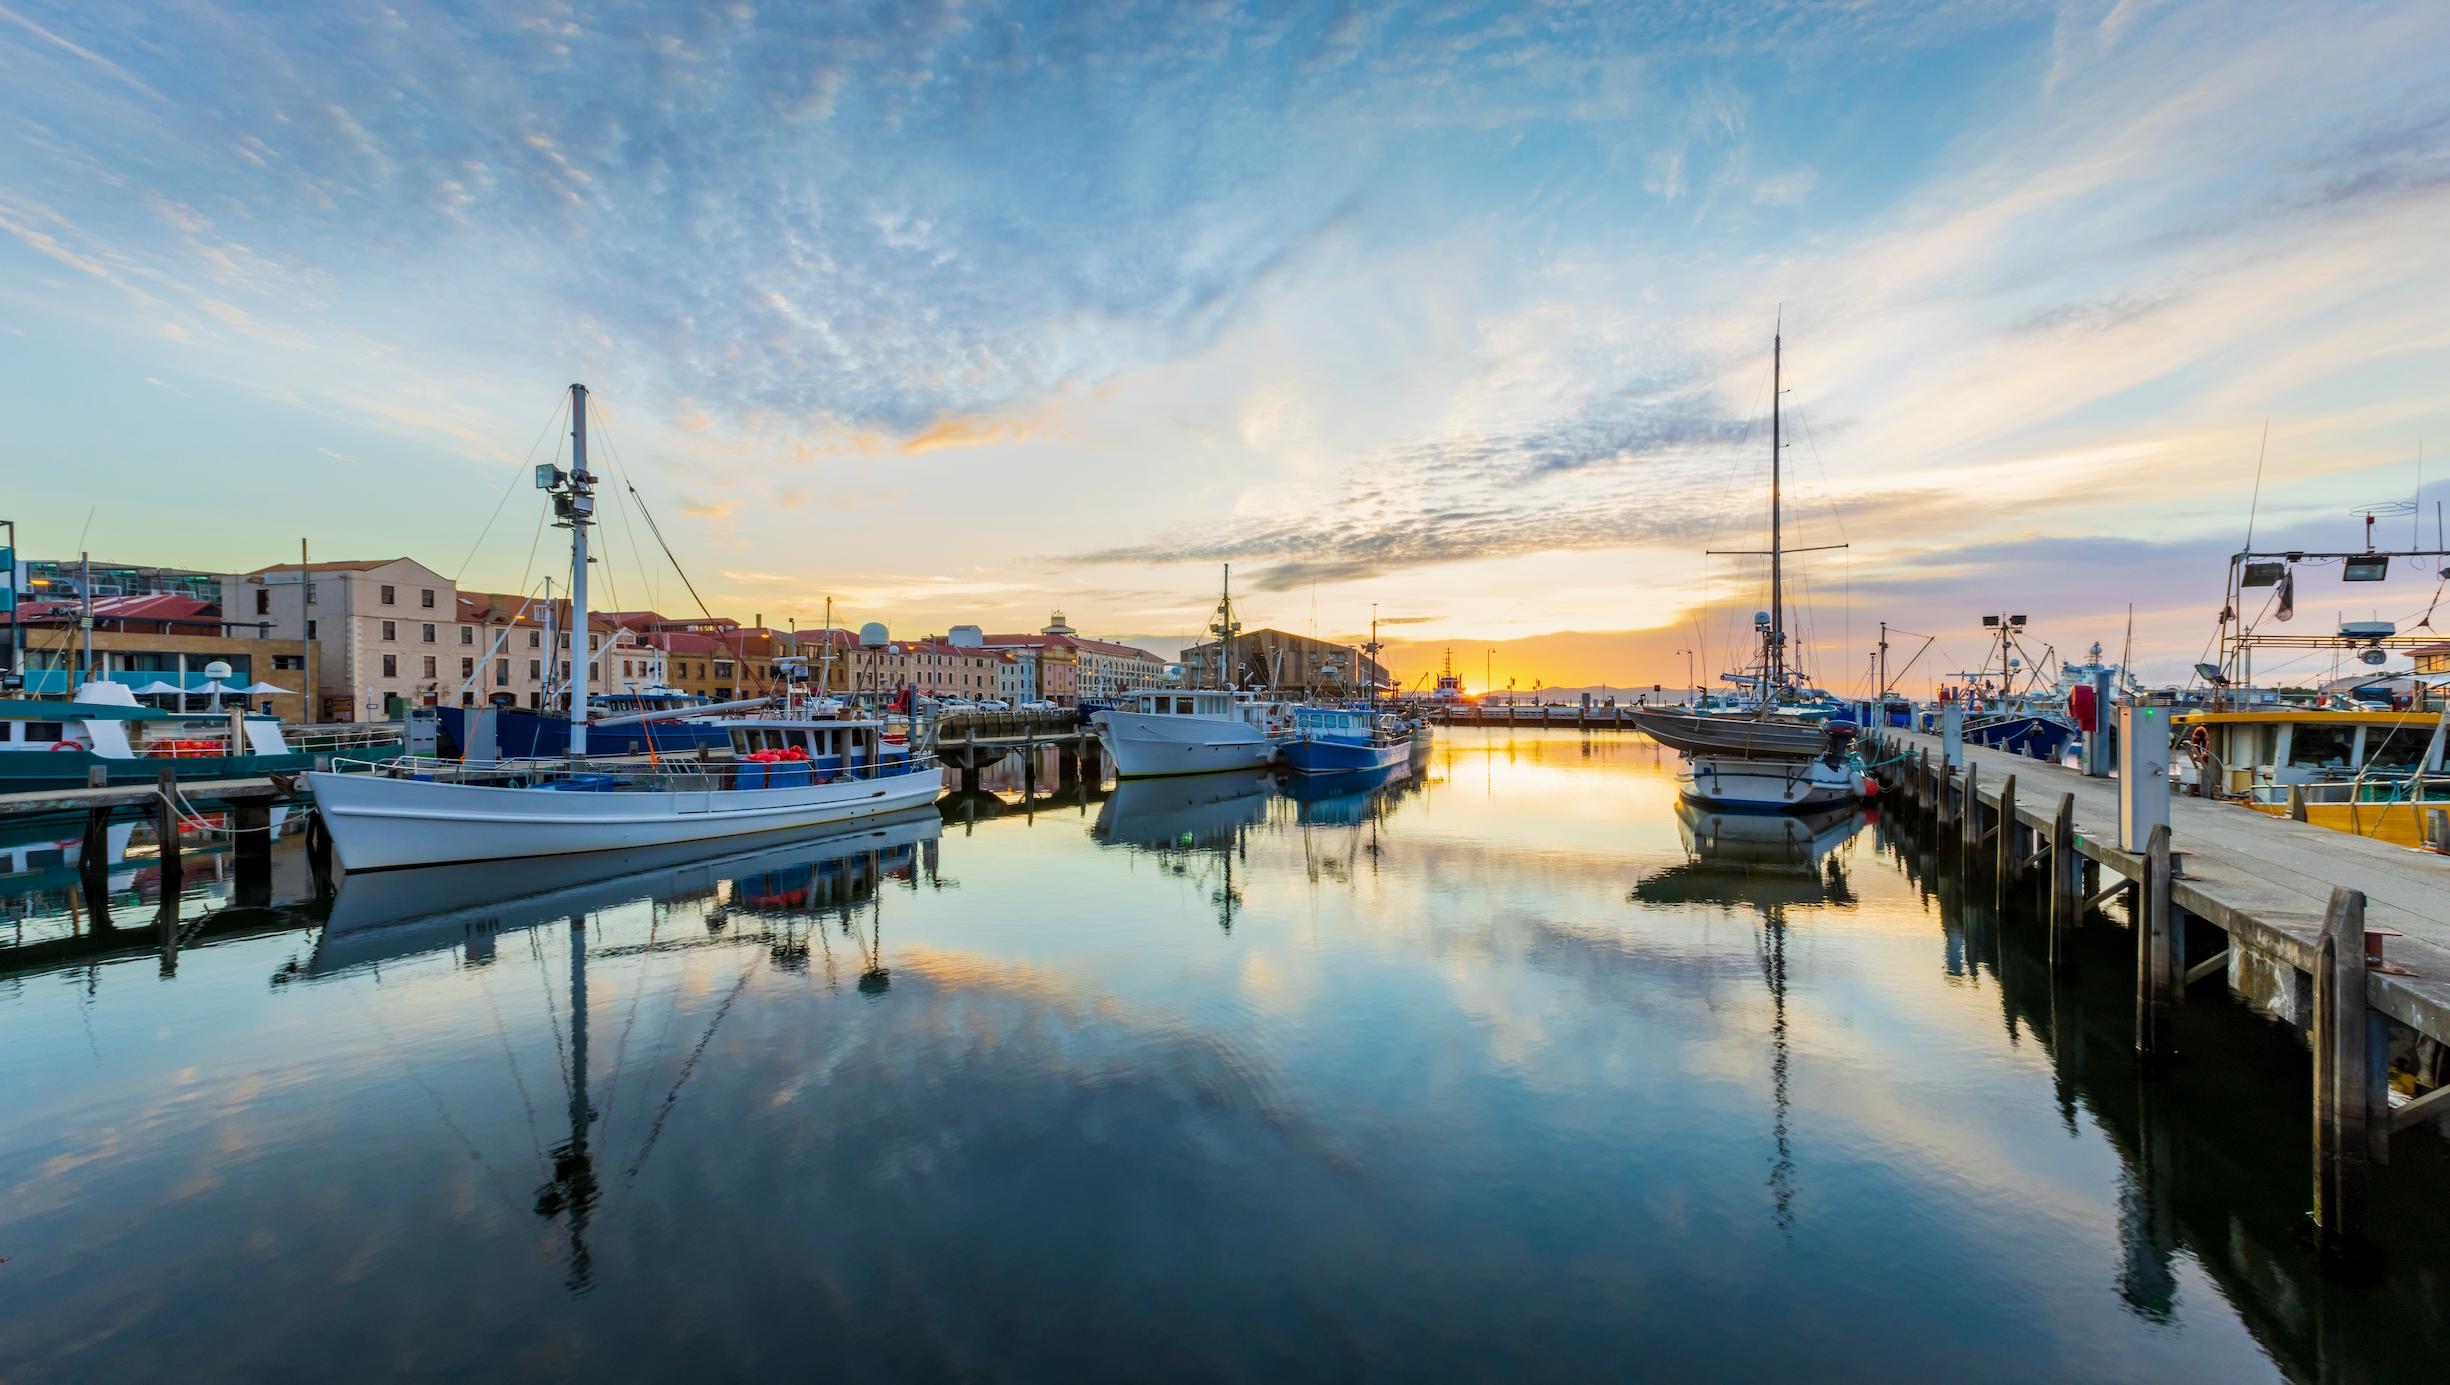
[582,509]
[1775,664]
[1225,632]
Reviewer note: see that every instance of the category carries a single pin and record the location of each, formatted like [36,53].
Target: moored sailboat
[1766,760]
[784,773]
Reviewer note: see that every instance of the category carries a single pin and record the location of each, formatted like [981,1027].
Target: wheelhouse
[1179,702]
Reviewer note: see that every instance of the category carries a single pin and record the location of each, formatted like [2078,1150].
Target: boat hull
[1304,755]
[380,822]
[1731,785]
[1147,746]
[2042,738]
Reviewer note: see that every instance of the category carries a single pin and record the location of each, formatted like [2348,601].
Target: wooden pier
[2346,938]
[248,803]
[970,742]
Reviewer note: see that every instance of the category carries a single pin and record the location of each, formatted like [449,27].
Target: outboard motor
[1838,737]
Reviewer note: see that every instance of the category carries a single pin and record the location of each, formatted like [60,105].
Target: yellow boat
[2372,773]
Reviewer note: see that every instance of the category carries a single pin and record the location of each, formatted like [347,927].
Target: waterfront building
[146,639]
[1012,679]
[386,634]
[1286,663]
[934,665]
[65,579]
[1068,666]
[713,656]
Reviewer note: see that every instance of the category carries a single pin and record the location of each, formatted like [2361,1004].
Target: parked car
[1040,706]
[992,704]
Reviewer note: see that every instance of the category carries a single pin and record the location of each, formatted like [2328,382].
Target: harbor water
[1501,1066]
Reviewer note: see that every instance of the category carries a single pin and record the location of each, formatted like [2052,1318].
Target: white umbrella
[259,690]
[215,689]
[158,688]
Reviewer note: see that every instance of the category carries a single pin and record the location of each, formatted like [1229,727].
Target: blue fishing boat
[1342,740]
[522,733]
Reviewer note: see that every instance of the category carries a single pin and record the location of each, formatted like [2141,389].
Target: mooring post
[94,853]
[2296,803]
[1969,816]
[251,844]
[2006,862]
[166,818]
[2156,970]
[2066,885]
[2341,1081]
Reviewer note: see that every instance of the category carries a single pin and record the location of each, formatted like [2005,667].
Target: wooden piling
[1969,816]
[2005,863]
[94,854]
[2296,803]
[2066,885]
[166,818]
[251,845]
[2341,1110]
[2156,965]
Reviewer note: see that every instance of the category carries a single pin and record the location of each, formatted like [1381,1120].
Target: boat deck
[2263,880]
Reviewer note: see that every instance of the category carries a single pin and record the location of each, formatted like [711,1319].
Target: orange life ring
[2199,746]
[66,745]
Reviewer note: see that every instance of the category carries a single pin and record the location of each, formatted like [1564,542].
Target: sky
[1462,312]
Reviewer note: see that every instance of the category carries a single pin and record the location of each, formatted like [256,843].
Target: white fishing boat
[784,773]
[1156,732]
[1775,758]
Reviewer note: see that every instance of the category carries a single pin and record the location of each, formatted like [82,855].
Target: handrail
[528,772]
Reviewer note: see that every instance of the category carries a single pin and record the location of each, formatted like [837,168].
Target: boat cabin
[2371,773]
[774,752]
[1179,702]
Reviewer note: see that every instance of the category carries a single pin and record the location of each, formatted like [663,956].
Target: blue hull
[1306,756]
[2042,738]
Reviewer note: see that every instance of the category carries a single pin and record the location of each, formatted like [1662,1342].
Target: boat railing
[2373,786]
[671,776]
[354,738]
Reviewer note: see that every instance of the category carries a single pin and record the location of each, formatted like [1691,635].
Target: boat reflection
[1348,800]
[387,915]
[1191,811]
[1190,823]
[1773,863]
[1766,860]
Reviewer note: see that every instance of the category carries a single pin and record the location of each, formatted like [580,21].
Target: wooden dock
[173,803]
[2344,937]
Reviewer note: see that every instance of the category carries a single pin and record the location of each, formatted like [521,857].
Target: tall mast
[581,510]
[1775,664]
[1225,633]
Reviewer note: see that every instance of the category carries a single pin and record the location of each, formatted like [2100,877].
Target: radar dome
[873,634]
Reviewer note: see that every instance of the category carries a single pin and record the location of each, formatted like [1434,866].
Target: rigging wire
[524,463]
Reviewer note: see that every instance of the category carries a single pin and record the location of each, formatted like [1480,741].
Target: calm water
[1499,1070]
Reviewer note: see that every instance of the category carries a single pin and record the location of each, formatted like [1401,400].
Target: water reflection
[1500,1065]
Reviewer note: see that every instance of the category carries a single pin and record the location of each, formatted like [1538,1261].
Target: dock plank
[2264,879]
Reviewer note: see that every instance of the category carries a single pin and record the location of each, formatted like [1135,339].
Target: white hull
[379,823]
[1769,786]
[1145,746]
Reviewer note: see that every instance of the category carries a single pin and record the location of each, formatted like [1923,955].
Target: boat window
[38,732]
[2400,747]
[2319,746]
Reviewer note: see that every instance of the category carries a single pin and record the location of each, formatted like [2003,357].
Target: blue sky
[962,312]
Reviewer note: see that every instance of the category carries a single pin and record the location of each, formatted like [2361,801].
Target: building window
[535,639]
[535,668]
[310,629]
[427,633]
[467,668]
[390,597]
[467,634]
[501,673]
[425,598]
[391,630]
[263,602]
[310,592]
[625,668]
[429,665]
[391,666]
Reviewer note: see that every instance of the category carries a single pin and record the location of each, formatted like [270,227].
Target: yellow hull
[2400,824]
